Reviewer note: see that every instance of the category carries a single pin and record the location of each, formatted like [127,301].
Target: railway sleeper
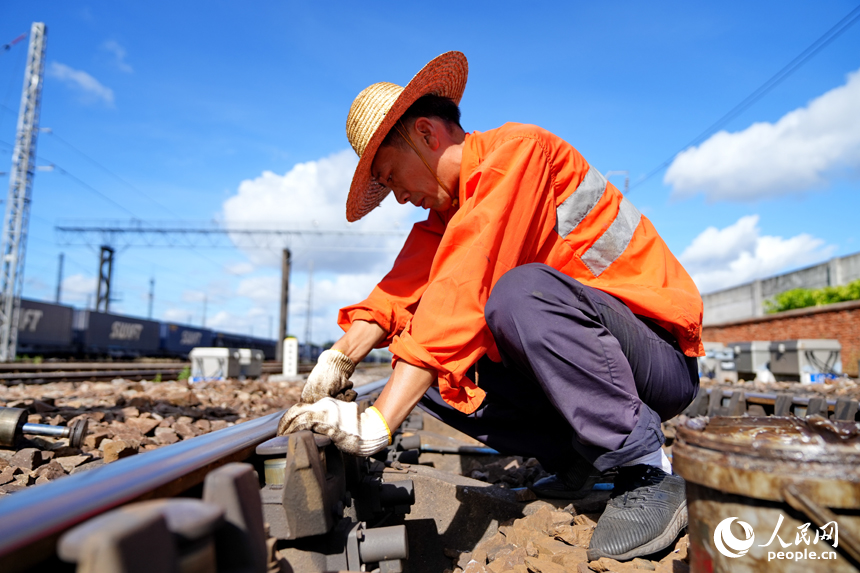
[726,402]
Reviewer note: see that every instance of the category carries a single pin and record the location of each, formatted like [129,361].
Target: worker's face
[399,168]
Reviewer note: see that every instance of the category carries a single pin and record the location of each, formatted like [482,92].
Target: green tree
[804,297]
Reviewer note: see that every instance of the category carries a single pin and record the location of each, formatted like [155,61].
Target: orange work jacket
[525,196]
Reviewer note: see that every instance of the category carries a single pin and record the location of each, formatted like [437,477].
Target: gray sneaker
[646,512]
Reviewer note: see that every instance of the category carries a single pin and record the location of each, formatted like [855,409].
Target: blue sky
[235,112]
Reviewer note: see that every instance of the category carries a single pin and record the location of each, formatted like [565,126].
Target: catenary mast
[14,240]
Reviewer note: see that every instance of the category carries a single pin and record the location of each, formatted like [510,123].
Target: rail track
[32,521]
[29,373]
[197,504]
[735,402]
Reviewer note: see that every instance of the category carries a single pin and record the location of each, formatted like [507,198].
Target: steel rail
[36,516]
[270,365]
[82,369]
[74,366]
[75,374]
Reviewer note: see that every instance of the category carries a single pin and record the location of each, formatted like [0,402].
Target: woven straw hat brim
[444,76]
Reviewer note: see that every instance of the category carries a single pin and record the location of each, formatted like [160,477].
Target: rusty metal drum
[771,494]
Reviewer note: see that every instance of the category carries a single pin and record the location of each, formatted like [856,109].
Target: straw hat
[375,111]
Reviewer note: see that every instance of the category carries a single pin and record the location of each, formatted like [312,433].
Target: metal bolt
[13,424]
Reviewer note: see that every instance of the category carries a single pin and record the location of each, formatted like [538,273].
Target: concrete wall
[840,321]
[747,300]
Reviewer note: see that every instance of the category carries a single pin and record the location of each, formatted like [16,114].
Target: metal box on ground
[806,360]
[208,364]
[250,363]
[751,357]
[718,363]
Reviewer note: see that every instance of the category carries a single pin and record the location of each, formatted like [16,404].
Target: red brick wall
[839,321]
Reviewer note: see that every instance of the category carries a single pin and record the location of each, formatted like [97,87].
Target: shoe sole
[662,541]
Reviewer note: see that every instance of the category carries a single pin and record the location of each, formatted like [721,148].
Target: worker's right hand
[330,378]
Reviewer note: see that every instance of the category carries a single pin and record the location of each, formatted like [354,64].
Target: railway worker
[535,309]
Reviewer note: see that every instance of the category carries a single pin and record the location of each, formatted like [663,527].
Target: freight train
[46,329]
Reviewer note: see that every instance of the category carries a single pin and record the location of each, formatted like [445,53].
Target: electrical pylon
[14,240]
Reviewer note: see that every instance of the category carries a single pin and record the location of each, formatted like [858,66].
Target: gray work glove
[357,434]
[330,378]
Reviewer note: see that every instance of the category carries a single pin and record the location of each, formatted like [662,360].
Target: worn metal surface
[191,523]
[242,543]
[752,469]
[311,499]
[732,402]
[12,421]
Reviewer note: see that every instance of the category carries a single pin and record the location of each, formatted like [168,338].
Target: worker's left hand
[353,433]
[330,377]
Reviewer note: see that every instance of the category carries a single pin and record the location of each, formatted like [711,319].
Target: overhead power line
[108,171]
[85,185]
[6,47]
[184,234]
[822,42]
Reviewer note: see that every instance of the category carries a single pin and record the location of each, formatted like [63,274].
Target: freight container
[229,340]
[116,335]
[179,340]
[44,328]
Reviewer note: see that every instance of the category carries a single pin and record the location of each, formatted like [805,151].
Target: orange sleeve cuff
[386,318]
[455,388]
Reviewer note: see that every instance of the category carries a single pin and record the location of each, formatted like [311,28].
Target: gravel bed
[551,540]
[128,417]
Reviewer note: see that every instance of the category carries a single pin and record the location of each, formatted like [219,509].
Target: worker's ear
[428,132]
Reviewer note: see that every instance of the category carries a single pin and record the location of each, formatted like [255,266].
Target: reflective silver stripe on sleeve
[570,214]
[614,241]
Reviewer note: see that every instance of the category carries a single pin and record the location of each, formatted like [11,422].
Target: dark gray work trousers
[581,375]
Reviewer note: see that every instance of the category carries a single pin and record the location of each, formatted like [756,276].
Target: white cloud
[241,268]
[119,54]
[78,288]
[256,321]
[330,293]
[81,81]
[260,289]
[223,319]
[801,152]
[310,196]
[177,315]
[721,258]
[194,296]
